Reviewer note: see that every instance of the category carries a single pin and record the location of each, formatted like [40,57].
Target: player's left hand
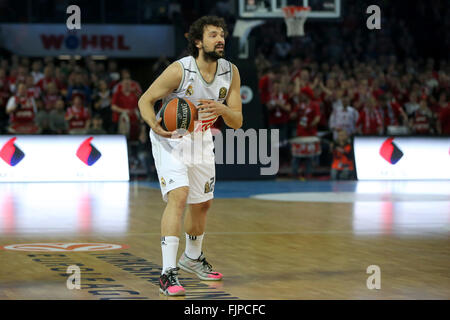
[211,107]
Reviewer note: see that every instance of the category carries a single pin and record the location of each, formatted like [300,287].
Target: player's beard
[213,55]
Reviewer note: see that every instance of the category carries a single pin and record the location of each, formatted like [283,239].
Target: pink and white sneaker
[200,267]
[169,284]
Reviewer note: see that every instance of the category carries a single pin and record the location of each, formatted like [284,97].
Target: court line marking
[361,232]
[350,197]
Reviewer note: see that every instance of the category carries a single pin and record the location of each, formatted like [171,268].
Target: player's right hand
[158,129]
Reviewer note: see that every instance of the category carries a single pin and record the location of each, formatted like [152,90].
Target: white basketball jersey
[193,87]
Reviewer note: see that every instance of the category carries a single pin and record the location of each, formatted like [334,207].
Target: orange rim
[290,11]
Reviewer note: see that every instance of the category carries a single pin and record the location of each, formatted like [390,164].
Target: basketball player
[209,81]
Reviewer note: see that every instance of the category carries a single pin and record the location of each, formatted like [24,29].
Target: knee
[206,205]
[203,207]
[178,197]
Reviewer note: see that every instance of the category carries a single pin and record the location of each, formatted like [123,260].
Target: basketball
[178,114]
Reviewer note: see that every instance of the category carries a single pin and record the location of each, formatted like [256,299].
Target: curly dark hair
[197,28]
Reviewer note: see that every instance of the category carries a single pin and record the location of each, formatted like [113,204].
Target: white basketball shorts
[188,161]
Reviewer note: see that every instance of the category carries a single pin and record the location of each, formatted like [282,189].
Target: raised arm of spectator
[315,121]
[297,84]
[88,124]
[316,118]
[315,83]
[403,116]
[327,91]
[332,120]
[69,115]
[11,105]
[33,104]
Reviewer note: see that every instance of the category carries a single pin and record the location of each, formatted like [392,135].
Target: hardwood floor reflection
[265,249]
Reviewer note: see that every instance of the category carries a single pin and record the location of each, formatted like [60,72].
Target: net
[295,18]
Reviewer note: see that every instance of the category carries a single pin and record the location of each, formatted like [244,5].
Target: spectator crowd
[304,98]
[341,80]
[40,96]
[368,98]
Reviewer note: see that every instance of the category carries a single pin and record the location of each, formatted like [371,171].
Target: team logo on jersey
[189,91]
[222,93]
[163,182]
[207,187]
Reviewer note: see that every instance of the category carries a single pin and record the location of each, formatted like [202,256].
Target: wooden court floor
[265,249]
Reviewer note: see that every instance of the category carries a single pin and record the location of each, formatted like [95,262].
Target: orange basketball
[178,113]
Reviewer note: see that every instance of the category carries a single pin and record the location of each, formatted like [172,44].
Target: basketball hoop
[295,18]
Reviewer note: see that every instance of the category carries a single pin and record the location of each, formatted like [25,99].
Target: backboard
[267,9]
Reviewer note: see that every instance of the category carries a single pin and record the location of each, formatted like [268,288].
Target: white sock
[194,246]
[169,247]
